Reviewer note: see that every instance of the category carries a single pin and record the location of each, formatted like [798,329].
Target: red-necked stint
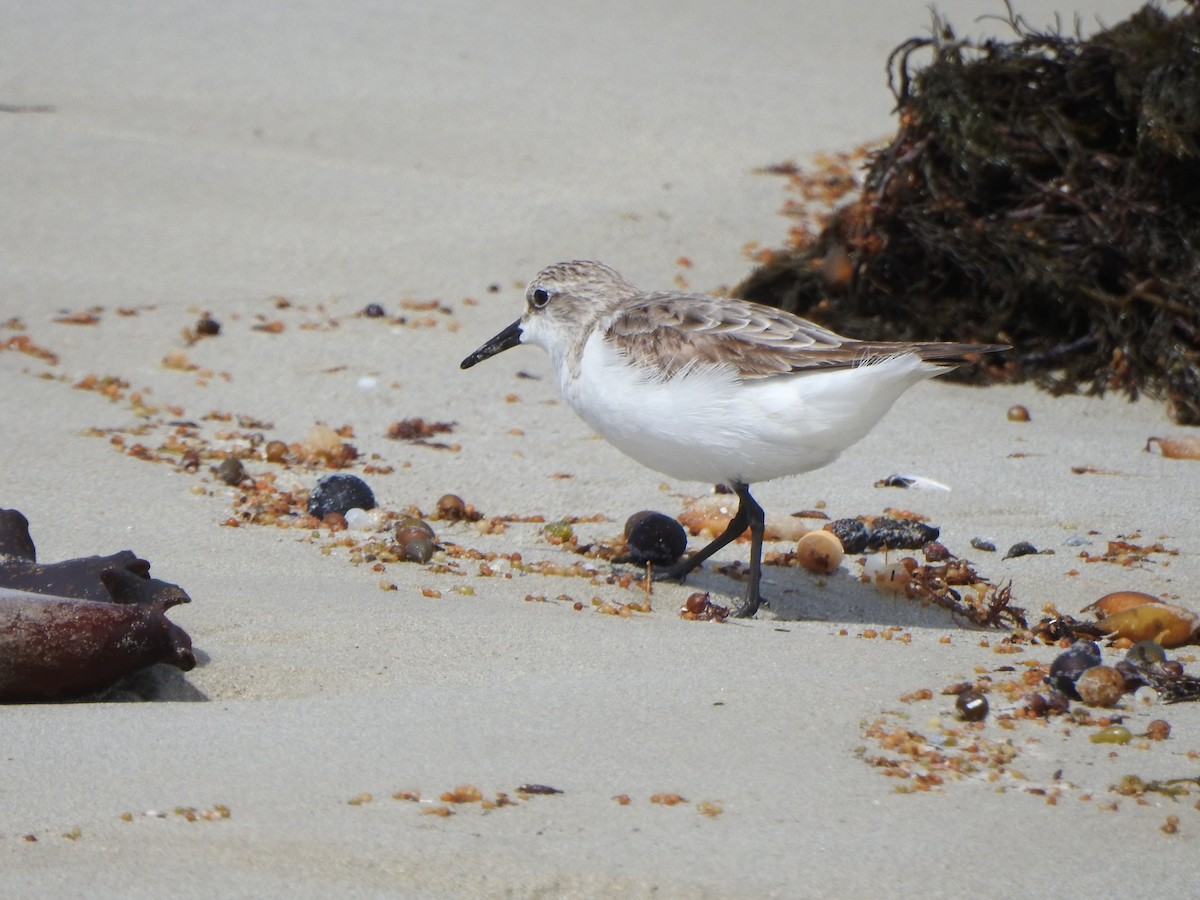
[713,389]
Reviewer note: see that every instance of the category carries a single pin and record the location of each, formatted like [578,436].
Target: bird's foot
[751,606]
[676,572]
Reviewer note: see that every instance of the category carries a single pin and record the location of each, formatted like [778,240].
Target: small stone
[275,451]
[419,550]
[231,471]
[1158,730]
[1022,548]
[935,552]
[654,538]
[1146,653]
[411,528]
[1100,686]
[1113,734]
[208,327]
[972,706]
[1070,664]
[339,493]
[1018,414]
[452,508]
[820,552]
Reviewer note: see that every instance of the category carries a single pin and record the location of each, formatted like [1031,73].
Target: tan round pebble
[1101,686]
[820,551]
[1158,730]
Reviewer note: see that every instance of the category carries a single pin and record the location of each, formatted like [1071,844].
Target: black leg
[749,515]
[757,522]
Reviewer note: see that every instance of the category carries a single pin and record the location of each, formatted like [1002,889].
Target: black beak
[509,337]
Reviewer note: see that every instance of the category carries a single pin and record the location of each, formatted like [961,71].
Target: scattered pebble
[972,706]
[231,471]
[1158,730]
[358,519]
[1022,548]
[1112,734]
[1018,414]
[1146,653]
[1100,686]
[983,544]
[339,493]
[655,538]
[1070,664]
[411,529]
[820,551]
[419,550]
[208,327]
[452,508]
[936,553]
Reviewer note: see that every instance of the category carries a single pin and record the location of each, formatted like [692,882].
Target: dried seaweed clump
[1044,193]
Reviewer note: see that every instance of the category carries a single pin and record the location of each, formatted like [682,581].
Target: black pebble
[972,706]
[231,471]
[208,327]
[1070,664]
[851,532]
[983,544]
[1024,548]
[419,550]
[653,537]
[338,493]
[374,311]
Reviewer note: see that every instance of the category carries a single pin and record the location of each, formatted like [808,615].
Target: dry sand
[212,157]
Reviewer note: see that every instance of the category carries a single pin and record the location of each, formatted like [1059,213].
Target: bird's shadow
[795,595]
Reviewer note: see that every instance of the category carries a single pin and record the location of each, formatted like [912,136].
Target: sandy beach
[280,166]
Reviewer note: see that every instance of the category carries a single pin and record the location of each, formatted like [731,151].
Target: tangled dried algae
[1044,193]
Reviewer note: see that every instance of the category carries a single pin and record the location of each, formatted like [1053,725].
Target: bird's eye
[539,298]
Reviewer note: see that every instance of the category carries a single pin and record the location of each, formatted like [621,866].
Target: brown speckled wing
[758,341]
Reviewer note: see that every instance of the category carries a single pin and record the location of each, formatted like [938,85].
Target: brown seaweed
[80,625]
[1041,192]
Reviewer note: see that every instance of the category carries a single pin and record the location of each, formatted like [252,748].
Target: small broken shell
[1186,447]
[820,551]
[709,516]
[1119,601]
[890,575]
[1165,623]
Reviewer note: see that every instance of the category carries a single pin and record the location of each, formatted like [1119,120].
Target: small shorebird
[712,389]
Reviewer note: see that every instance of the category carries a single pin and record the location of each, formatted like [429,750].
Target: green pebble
[1113,734]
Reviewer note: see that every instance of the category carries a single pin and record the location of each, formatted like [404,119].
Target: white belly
[709,425]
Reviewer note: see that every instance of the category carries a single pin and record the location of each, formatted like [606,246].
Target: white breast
[707,424]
